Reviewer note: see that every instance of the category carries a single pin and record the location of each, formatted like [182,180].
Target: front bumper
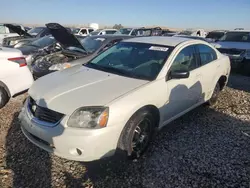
[70,143]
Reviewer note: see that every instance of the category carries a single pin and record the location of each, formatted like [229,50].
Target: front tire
[4,98]
[213,100]
[137,134]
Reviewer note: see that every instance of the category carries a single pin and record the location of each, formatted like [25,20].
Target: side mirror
[181,74]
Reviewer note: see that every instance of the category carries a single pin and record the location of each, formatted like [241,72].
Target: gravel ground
[208,147]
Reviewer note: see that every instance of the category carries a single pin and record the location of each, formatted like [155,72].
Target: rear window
[92,44]
[108,32]
[35,30]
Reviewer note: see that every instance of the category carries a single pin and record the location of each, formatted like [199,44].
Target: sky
[209,14]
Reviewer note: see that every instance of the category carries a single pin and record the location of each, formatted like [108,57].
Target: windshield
[92,44]
[75,31]
[236,37]
[35,30]
[136,60]
[43,42]
[125,31]
[96,32]
[215,35]
[143,32]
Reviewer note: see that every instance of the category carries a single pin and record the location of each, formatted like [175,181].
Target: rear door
[209,66]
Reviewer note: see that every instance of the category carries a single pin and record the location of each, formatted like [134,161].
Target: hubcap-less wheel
[141,136]
[215,95]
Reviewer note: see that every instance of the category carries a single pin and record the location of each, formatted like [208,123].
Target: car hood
[236,45]
[63,36]
[67,90]
[18,30]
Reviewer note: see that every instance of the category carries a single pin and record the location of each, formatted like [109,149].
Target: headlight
[60,66]
[13,42]
[89,117]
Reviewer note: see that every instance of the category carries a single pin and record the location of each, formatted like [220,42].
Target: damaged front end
[12,41]
[42,64]
[239,58]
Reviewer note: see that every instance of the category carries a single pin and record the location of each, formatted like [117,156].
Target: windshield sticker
[158,48]
[101,39]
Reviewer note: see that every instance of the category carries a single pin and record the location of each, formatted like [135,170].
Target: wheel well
[6,88]
[154,110]
[222,81]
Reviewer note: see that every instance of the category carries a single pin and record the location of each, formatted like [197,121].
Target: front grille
[230,51]
[44,114]
[5,42]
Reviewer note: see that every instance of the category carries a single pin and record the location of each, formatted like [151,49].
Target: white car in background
[6,32]
[15,77]
[82,31]
[104,32]
[194,32]
[118,99]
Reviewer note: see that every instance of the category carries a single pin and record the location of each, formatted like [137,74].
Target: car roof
[109,29]
[239,31]
[160,40]
[190,36]
[218,31]
[110,36]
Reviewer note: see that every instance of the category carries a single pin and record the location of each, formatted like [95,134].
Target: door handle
[198,75]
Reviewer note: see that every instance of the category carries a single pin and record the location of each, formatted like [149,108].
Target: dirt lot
[208,147]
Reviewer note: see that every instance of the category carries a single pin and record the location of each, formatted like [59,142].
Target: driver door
[182,94]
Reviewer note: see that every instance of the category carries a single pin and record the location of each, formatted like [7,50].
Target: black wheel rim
[141,136]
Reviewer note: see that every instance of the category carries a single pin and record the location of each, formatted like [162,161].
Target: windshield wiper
[106,68]
[116,71]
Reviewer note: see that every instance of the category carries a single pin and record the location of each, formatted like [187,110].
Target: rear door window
[207,54]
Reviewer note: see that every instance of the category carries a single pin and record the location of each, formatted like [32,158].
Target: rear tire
[4,97]
[213,100]
[137,134]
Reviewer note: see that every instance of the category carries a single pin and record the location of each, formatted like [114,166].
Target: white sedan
[15,77]
[122,96]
